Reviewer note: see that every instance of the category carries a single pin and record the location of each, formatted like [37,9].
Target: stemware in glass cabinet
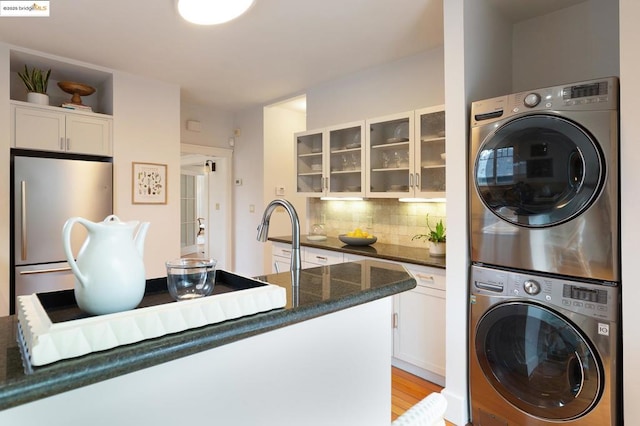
[346,159]
[390,155]
[431,154]
[310,163]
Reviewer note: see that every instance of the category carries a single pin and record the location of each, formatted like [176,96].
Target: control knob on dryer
[532,99]
[531,287]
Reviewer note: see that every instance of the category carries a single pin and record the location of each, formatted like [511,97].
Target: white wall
[279,126]
[630,226]
[4,181]
[247,165]
[217,125]
[410,83]
[577,43]
[146,129]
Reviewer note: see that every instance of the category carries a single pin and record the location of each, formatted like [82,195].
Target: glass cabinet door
[390,156]
[430,159]
[309,160]
[346,160]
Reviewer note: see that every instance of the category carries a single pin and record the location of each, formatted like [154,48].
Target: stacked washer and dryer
[545,275]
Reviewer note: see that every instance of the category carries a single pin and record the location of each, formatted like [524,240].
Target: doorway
[205,210]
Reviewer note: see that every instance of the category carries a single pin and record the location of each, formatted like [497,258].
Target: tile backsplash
[390,220]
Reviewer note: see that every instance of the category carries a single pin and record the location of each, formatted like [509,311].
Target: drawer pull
[426,277]
[321,258]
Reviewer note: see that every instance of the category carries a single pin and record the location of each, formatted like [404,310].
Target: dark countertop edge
[75,373]
[427,261]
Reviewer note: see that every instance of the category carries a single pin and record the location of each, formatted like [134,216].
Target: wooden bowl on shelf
[76,90]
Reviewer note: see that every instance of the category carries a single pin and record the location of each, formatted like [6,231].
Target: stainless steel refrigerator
[46,191]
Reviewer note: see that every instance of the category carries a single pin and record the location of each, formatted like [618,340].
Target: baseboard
[457,408]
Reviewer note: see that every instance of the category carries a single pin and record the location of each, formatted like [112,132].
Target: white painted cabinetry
[419,323]
[311,257]
[48,128]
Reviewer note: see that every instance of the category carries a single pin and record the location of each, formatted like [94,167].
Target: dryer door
[539,170]
[538,361]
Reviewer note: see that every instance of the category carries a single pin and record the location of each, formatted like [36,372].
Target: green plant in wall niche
[35,80]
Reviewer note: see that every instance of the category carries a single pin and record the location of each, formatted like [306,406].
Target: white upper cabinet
[395,156]
[309,151]
[430,154]
[390,155]
[330,162]
[346,160]
[47,128]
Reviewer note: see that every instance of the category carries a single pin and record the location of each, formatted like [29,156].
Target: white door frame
[223,232]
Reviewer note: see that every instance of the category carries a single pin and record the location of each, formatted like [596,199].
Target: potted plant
[437,238]
[36,82]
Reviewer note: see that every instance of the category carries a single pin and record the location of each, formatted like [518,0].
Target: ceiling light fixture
[212,12]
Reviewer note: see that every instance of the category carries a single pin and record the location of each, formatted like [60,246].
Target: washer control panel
[586,298]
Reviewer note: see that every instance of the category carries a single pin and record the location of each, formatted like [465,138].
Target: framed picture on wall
[149,183]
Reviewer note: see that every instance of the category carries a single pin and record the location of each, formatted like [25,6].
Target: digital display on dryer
[585,90]
[584,294]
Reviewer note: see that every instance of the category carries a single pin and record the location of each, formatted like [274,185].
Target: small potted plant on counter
[36,82]
[437,238]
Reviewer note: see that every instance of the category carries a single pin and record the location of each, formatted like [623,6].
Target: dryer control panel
[586,298]
[591,95]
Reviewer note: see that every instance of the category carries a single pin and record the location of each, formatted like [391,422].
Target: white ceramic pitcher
[109,270]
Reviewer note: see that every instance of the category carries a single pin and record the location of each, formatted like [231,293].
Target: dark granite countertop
[322,291]
[415,255]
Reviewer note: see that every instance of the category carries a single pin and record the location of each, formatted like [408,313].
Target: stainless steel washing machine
[543,188]
[542,350]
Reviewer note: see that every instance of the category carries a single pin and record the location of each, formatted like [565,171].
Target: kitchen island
[323,359]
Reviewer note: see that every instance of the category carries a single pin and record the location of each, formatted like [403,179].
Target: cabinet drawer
[429,277]
[321,257]
[281,250]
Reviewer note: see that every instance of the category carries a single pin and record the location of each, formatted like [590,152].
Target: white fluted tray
[45,340]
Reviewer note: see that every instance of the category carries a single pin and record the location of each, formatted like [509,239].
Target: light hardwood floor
[407,390]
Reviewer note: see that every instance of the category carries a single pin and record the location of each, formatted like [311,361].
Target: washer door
[538,361]
[539,170]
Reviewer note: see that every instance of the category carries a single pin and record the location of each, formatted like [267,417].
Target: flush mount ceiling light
[211,12]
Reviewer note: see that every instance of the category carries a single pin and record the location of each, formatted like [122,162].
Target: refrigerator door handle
[45,271]
[23,227]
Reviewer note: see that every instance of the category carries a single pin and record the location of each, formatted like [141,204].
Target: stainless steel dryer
[543,188]
[542,350]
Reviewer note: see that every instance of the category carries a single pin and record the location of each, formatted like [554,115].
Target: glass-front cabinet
[330,162]
[430,158]
[396,156]
[309,160]
[390,156]
[346,160]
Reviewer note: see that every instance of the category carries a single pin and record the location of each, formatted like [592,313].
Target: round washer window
[539,170]
[538,361]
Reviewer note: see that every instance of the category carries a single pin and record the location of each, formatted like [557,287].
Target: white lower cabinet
[310,257]
[419,323]
[418,338]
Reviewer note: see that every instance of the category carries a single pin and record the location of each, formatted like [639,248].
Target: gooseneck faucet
[263,230]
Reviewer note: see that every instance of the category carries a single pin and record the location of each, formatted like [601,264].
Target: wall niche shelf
[101,101]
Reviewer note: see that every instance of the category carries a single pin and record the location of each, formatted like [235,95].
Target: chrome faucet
[263,230]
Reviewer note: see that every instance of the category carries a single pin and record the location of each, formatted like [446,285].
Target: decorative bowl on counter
[357,241]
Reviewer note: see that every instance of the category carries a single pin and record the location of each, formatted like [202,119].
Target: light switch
[217,206]
[280,190]
[238,182]
[252,208]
